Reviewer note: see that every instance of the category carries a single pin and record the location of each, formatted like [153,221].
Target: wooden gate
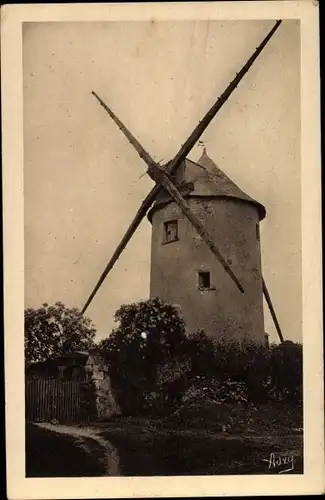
[49,398]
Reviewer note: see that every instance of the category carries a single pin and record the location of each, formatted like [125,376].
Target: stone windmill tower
[205,250]
[184,271]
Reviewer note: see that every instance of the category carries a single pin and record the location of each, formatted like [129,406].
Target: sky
[83,182]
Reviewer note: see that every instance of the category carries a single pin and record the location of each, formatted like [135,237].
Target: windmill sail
[272,311]
[178,159]
[159,176]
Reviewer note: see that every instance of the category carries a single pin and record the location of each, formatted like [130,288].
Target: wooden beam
[272,310]
[177,160]
[206,120]
[158,175]
[155,172]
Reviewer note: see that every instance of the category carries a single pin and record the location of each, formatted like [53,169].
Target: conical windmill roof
[205,179]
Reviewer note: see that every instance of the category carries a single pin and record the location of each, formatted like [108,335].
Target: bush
[148,352]
[227,391]
[269,373]
[200,349]
[286,372]
[149,334]
[222,404]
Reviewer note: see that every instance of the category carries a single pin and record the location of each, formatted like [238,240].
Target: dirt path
[105,448]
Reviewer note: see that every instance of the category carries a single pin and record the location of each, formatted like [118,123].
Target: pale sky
[82,178]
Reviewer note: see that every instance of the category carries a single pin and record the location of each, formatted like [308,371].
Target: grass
[50,454]
[186,445]
[148,447]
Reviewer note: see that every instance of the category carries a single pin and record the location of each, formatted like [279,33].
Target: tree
[55,330]
[149,333]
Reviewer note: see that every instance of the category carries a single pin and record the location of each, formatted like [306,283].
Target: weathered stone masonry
[185,272]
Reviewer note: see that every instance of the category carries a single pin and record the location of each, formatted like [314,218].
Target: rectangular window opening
[204,279]
[170,231]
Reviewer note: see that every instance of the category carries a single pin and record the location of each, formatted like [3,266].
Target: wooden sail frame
[161,176]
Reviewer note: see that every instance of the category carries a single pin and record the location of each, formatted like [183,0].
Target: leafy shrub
[200,349]
[149,334]
[146,354]
[269,372]
[224,404]
[226,391]
[286,372]
[236,358]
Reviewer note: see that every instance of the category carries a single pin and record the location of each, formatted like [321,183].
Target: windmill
[165,178]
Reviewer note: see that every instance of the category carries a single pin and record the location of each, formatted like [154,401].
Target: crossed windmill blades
[161,175]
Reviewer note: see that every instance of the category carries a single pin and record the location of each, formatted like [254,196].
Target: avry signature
[283,462]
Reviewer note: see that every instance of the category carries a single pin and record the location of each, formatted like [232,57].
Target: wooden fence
[48,399]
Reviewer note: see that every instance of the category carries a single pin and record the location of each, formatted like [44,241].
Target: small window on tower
[170,231]
[204,280]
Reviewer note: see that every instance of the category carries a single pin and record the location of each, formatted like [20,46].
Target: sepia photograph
[171,356]
[163,286]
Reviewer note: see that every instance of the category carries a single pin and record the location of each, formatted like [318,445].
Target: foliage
[226,391]
[200,349]
[225,405]
[247,377]
[237,358]
[55,330]
[268,372]
[150,333]
[286,372]
[212,399]
[146,355]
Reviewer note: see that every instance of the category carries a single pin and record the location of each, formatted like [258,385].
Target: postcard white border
[312,481]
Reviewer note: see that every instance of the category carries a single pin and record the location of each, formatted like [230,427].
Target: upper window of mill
[170,231]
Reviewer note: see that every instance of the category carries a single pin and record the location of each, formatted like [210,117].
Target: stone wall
[97,371]
[220,310]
